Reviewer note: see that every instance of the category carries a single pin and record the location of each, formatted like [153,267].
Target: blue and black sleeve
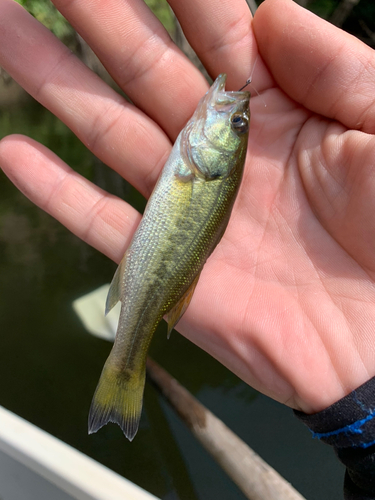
[349,426]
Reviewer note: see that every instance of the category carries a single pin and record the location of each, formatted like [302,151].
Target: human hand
[287,299]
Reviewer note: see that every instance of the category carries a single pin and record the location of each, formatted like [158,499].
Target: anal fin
[175,314]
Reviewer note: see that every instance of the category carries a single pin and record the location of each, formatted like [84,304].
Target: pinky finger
[100,219]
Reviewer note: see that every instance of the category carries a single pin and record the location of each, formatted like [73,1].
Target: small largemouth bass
[184,220]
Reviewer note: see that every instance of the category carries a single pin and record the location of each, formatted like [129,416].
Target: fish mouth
[219,87]
[219,84]
[222,101]
[217,95]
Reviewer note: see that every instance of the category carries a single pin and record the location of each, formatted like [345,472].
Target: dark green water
[49,365]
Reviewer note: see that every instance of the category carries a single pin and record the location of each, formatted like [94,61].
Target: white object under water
[90,310]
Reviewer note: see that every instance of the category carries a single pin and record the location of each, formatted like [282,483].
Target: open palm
[287,300]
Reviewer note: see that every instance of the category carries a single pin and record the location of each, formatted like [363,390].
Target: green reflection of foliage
[34,121]
[322,8]
[162,11]
[47,14]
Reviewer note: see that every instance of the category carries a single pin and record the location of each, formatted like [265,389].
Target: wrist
[317,399]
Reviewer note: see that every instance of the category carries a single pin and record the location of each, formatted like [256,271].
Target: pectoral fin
[114,292]
[174,315]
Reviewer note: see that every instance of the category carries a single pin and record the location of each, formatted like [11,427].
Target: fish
[184,220]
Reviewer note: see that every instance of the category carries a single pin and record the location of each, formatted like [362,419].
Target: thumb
[318,65]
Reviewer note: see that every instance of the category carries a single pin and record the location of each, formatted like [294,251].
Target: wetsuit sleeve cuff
[349,426]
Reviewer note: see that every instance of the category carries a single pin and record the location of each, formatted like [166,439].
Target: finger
[139,54]
[318,65]
[220,33]
[102,220]
[114,130]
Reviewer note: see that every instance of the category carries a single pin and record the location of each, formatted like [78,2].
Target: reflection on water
[49,365]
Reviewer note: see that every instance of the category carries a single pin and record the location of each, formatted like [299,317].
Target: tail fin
[118,398]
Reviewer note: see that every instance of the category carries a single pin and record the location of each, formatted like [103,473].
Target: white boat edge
[70,470]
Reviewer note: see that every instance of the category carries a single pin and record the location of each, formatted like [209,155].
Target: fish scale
[184,220]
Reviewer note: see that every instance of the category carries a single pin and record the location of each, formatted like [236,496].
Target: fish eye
[239,123]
